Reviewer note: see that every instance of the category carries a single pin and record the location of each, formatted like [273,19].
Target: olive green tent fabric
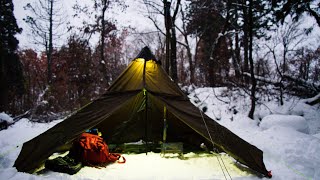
[239,149]
[131,110]
[156,79]
[37,150]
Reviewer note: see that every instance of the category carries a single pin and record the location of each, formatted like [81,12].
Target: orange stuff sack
[91,150]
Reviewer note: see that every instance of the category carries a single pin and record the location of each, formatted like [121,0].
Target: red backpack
[91,150]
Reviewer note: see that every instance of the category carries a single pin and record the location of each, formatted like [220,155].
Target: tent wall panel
[36,151]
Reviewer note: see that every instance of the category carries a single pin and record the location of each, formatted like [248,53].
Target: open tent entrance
[142,118]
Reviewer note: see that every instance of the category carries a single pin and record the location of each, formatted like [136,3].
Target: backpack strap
[113,157]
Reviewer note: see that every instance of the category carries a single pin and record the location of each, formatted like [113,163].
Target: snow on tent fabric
[142,85]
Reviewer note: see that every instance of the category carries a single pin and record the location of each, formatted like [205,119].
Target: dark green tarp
[121,115]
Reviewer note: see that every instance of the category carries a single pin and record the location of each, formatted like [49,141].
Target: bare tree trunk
[173,63]
[187,46]
[103,34]
[238,56]
[191,66]
[50,48]
[253,80]
[212,77]
[245,40]
[167,19]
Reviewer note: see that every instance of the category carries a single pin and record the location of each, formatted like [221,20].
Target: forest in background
[261,47]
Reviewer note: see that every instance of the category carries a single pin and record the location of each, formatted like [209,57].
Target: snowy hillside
[288,136]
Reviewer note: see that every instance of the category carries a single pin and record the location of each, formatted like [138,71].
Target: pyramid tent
[132,109]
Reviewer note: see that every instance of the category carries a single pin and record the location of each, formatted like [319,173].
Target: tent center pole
[146,104]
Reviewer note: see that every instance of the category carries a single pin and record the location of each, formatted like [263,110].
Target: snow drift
[295,122]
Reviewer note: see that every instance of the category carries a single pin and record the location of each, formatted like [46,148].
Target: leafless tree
[47,22]
[100,23]
[286,40]
[157,10]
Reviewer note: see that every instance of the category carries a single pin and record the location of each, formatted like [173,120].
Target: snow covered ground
[288,135]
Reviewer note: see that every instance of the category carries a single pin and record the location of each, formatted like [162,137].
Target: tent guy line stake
[215,150]
[213,145]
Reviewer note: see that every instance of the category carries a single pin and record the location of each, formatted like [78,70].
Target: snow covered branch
[313,101]
[311,86]
[294,84]
[264,79]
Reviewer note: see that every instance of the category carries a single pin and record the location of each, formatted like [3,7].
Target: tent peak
[146,54]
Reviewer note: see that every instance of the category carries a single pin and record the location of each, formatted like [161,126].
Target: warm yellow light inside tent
[150,65]
[140,60]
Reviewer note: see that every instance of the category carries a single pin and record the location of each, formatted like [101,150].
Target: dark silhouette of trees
[11,77]
[296,9]
[34,70]
[208,24]
[75,74]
